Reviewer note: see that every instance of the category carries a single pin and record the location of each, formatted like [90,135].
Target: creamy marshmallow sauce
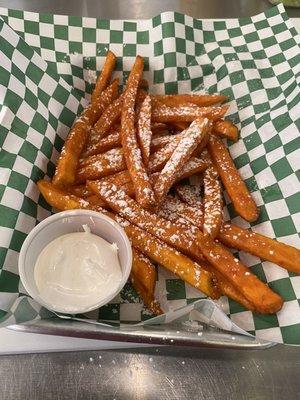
[77,270]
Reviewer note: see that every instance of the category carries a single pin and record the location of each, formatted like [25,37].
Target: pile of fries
[126,156]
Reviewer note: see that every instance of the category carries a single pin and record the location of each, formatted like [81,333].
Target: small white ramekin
[68,222]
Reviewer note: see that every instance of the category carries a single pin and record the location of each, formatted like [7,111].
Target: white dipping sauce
[77,271]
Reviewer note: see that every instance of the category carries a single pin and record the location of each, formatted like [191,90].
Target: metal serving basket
[171,335]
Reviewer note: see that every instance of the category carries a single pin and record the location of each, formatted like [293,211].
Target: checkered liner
[255,61]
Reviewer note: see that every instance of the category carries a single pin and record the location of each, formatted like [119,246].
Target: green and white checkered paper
[255,61]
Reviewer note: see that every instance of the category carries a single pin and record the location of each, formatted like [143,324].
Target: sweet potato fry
[112,141]
[186,269]
[242,239]
[103,125]
[201,100]
[193,166]
[76,140]
[131,210]
[229,290]
[195,244]
[60,199]
[213,204]
[105,75]
[234,185]
[132,154]
[143,279]
[226,129]
[144,133]
[191,214]
[186,113]
[144,270]
[158,160]
[158,142]
[176,211]
[79,190]
[190,140]
[105,164]
[98,166]
[261,246]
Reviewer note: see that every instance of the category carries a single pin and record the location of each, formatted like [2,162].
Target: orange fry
[105,75]
[62,200]
[159,142]
[186,269]
[242,239]
[186,113]
[103,125]
[190,140]
[261,246]
[194,243]
[144,133]
[201,100]
[158,160]
[143,279]
[112,161]
[132,154]
[104,164]
[226,129]
[213,204]
[176,211]
[131,210]
[193,166]
[76,140]
[193,215]
[79,190]
[112,141]
[234,185]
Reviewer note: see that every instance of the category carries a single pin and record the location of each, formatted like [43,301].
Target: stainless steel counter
[152,373]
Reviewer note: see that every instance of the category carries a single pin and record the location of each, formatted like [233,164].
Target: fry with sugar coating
[201,100]
[105,75]
[170,233]
[132,154]
[159,142]
[192,136]
[112,161]
[67,163]
[79,190]
[102,165]
[144,133]
[242,239]
[189,113]
[62,200]
[182,266]
[236,188]
[103,125]
[109,142]
[143,279]
[212,202]
[194,243]
[158,160]
[226,129]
